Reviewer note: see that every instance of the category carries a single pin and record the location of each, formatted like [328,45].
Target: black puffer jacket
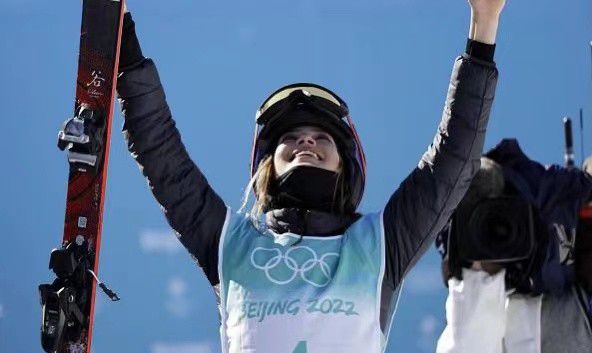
[415,213]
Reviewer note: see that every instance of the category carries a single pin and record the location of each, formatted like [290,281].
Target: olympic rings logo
[313,263]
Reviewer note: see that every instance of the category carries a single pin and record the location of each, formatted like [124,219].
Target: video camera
[524,217]
[494,224]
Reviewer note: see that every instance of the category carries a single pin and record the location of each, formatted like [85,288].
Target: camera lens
[497,230]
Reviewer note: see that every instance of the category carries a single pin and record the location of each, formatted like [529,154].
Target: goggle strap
[254,149]
[358,142]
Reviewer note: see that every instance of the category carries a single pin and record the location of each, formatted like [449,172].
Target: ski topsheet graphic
[68,303]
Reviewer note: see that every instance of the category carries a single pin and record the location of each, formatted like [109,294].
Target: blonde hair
[261,184]
[263,181]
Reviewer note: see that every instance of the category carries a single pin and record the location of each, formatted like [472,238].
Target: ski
[68,302]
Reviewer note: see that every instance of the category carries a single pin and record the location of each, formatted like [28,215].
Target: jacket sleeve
[425,200]
[191,206]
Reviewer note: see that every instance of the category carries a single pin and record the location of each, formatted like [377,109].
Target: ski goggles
[315,93]
[331,111]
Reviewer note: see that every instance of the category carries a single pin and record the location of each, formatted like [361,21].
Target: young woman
[302,271]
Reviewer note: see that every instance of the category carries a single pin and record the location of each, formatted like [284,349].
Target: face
[306,146]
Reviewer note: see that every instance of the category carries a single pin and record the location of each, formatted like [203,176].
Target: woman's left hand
[485,19]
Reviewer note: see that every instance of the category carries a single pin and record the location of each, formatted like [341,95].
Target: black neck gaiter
[306,187]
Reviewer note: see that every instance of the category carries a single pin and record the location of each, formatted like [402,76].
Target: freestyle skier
[302,271]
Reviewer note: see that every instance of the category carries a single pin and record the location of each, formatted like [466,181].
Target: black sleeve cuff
[130,53]
[480,50]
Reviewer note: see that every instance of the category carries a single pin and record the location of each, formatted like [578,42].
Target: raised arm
[425,200]
[192,208]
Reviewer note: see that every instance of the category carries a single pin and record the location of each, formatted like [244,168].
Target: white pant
[481,318]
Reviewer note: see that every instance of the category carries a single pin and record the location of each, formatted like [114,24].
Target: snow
[177,302]
[189,347]
[159,241]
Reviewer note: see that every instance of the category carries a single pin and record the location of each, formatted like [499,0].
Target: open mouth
[306,154]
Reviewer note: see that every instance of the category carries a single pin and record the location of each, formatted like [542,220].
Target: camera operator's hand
[485,19]
[490,267]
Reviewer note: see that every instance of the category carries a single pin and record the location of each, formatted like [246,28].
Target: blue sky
[389,59]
